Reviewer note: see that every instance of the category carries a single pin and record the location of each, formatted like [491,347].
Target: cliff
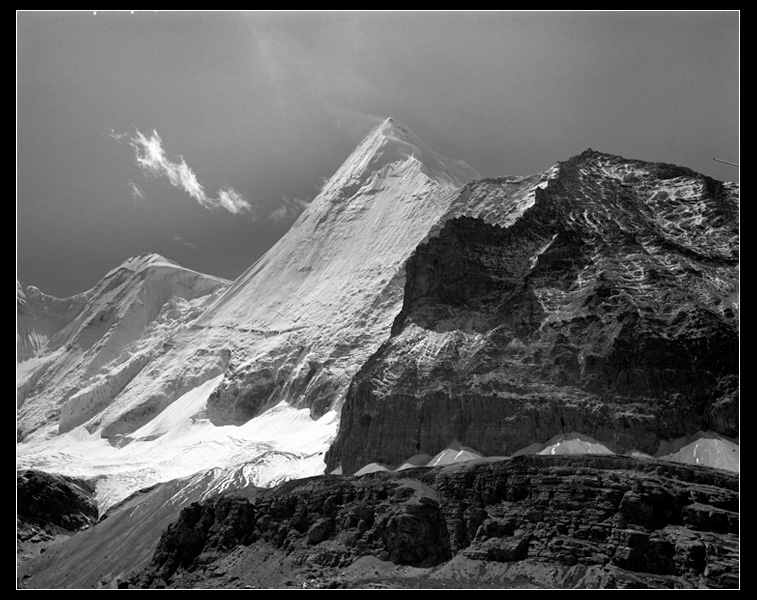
[606,303]
[533,521]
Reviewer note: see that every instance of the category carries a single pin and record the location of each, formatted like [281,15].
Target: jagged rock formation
[604,302]
[49,507]
[536,521]
[56,500]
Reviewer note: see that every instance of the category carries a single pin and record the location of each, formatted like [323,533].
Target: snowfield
[180,442]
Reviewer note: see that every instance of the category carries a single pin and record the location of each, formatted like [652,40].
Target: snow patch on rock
[705,448]
[567,443]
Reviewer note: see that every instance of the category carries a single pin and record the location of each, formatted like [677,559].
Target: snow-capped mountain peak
[159,353]
[391,146]
[94,347]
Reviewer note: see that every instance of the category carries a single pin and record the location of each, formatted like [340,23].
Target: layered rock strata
[604,303]
[532,521]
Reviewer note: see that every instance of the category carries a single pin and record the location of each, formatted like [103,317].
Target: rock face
[50,507]
[53,499]
[604,302]
[215,527]
[548,521]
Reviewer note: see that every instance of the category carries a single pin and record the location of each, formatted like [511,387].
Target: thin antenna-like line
[726,162]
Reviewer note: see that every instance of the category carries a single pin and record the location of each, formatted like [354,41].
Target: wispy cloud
[289,210]
[233,201]
[183,242]
[152,159]
[136,192]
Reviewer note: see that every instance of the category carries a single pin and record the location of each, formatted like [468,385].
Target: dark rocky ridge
[532,521]
[605,308]
[50,507]
[48,498]
[123,539]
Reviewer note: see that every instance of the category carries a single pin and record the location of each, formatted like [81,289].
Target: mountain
[602,299]
[416,317]
[100,347]
[105,337]
[323,299]
[40,316]
[165,372]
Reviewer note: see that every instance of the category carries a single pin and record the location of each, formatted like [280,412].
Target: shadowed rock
[635,522]
[606,305]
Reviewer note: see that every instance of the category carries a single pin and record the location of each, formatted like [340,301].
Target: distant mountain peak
[146,261]
[390,125]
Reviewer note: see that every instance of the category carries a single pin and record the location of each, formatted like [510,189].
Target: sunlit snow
[147,351]
[705,448]
[180,442]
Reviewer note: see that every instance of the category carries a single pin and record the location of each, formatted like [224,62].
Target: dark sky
[200,135]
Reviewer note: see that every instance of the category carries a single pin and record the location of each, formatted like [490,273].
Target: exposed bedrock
[50,499]
[608,308]
[635,522]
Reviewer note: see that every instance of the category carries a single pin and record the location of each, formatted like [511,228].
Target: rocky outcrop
[558,521]
[55,499]
[124,538]
[220,525]
[605,304]
[50,507]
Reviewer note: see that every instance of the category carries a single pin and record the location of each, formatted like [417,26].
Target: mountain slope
[153,381]
[39,317]
[123,539]
[601,299]
[323,299]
